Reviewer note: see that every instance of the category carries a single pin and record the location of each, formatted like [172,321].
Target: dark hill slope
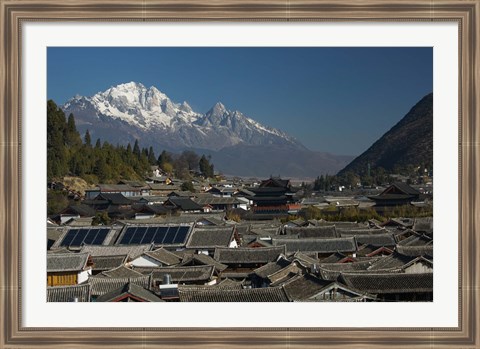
[409,142]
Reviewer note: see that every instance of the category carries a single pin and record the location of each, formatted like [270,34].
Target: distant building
[397,194]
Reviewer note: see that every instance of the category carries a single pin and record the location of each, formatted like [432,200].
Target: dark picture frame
[14,14]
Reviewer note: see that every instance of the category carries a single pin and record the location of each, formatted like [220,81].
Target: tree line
[69,154]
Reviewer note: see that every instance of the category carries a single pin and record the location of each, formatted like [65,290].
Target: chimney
[167,279]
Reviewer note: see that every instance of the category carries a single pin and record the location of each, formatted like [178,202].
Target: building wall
[419,268]
[83,275]
[145,261]
[62,279]
[66,217]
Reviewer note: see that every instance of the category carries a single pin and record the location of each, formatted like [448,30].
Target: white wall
[418,268]
[145,261]
[83,275]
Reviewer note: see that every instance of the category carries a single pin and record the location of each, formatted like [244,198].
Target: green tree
[57,200]
[188,186]
[72,137]
[190,158]
[88,139]
[151,156]
[136,149]
[205,167]
[163,158]
[57,154]
[101,218]
[319,183]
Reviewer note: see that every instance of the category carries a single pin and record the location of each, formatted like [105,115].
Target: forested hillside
[69,154]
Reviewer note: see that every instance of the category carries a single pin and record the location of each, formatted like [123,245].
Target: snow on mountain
[135,104]
[151,113]
[238,144]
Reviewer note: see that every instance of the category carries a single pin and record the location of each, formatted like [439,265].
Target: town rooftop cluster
[233,242]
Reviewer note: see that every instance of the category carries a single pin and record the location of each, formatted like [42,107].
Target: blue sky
[338,100]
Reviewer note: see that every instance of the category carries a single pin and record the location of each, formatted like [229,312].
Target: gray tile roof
[333,258]
[150,198]
[416,251]
[183,217]
[365,251]
[283,275]
[116,187]
[164,256]
[183,203]
[330,245]
[424,224]
[216,201]
[82,209]
[304,258]
[63,262]
[376,240]
[132,250]
[203,259]
[180,274]
[390,282]
[236,275]
[211,220]
[331,271]
[302,287]
[162,186]
[218,294]
[121,272]
[55,232]
[416,240]
[405,188]
[248,255]
[420,259]
[210,237]
[229,283]
[59,250]
[313,231]
[364,231]
[80,222]
[69,293]
[338,225]
[113,198]
[244,192]
[101,285]
[393,262]
[135,184]
[101,263]
[129,290]
[271,268]
[181,193]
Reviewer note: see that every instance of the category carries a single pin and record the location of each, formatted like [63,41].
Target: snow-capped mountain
[151,112]
[238,144]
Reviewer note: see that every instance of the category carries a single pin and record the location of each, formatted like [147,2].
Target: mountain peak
[409,142]
[147,111]
[217,110]
[130,85]
[186,107]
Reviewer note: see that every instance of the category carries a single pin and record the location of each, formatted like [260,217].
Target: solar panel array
[157,234]
[88,236]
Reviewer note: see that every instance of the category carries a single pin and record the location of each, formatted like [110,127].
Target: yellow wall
[61,279]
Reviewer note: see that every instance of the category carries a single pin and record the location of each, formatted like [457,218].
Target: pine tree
[72,137]
[205,167]
[136,149]
[88,139]
[57,154]
[151,156]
